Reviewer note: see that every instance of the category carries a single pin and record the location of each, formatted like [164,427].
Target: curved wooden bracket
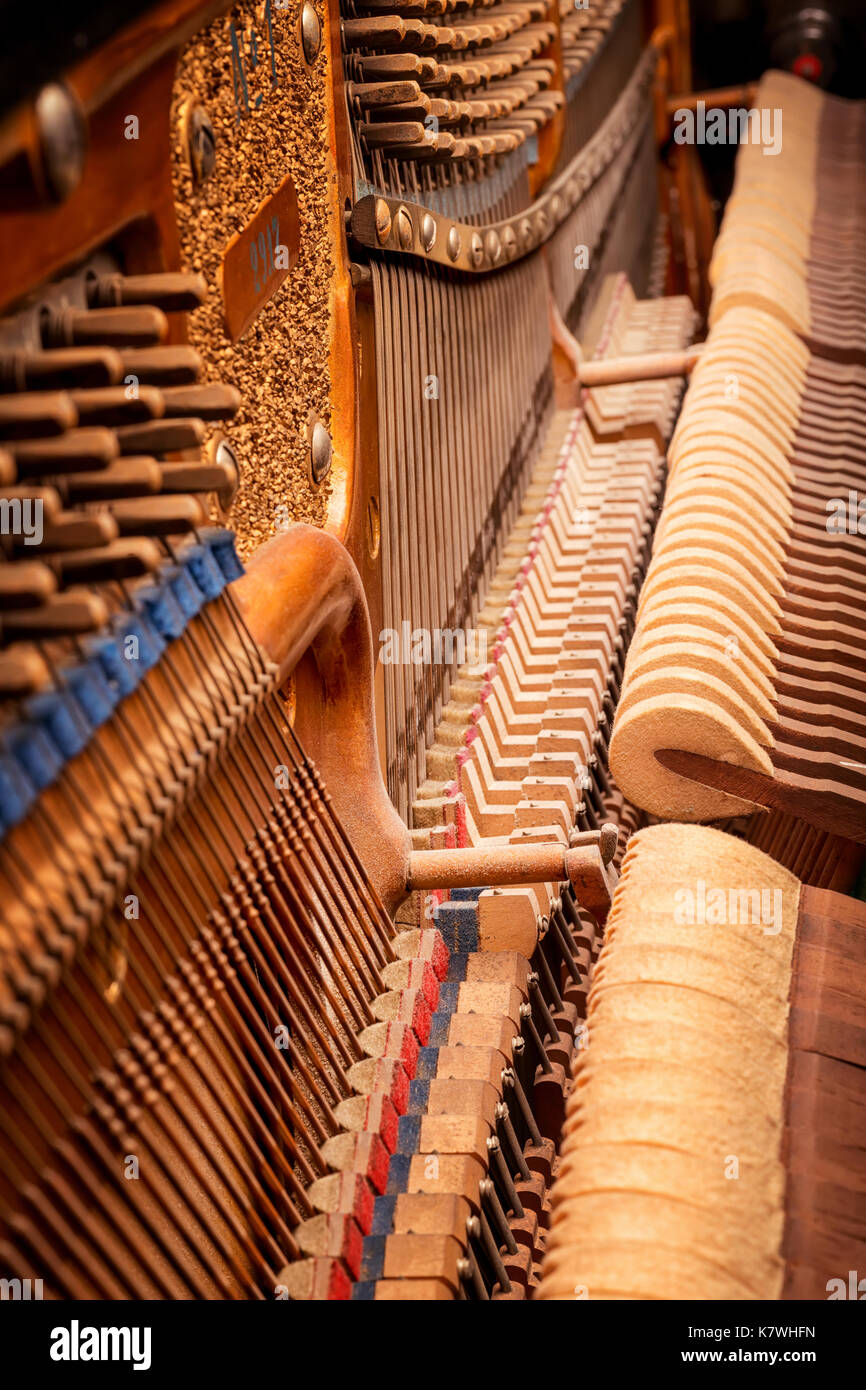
[301,592]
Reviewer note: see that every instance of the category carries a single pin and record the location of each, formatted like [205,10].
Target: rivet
[404,229]
[62,139]
[200,140]
[476,249]
[494,247]
[374,532]
[453,244]
[225,457]
[320,452]
[428,231]
[311,34]
[383,221]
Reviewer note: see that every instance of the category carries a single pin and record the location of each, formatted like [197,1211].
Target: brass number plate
[258,259]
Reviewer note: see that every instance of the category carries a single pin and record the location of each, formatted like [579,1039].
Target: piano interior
[432,681]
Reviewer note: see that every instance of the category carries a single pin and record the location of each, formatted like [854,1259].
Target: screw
[62,139]
[311,34]
[404,229]
[200,143]
[225,457]
[428,231]
[374,532]
[382,215]
[320,452]
[476,249]
[453,244]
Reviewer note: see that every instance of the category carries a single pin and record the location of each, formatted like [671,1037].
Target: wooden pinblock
[425,1213]
[315,1280]
[448,1096]
[477,1031]
[414,1291]
[505,967]
[446,1173]
[474,1063]
[496,998]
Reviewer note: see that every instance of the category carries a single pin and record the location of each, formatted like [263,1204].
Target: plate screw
[383,221]
[201,143]
[494,247]
[311,34]
[476,249]
[62,139]
[225,457]
[428,232]
[404,229]
[320,452]
[453,244]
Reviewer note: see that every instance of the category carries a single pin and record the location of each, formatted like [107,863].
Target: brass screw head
[62,139]
[311,33]
[200,141]
[320,452]
[382,215]
[404,228]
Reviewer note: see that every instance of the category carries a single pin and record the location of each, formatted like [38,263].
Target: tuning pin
[36,413]
[121,559]
[72,531]
[159,516]
[210,401]
[59,367]
[161,436]
[142,326]
[114,405]
[170,291]
[126,477]
[22,672]
[161,366]
[75,451]
[26,584]
[63,615]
